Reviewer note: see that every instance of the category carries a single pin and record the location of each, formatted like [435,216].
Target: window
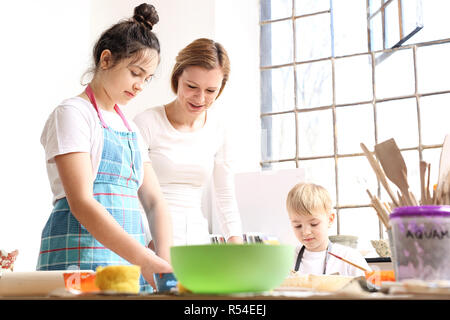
[326,87]
[392,22]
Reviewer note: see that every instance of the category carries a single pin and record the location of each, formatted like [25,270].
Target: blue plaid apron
[65,243]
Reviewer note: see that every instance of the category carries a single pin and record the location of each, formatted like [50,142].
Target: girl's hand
[158,265]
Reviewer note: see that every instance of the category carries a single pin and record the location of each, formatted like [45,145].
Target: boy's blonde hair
[306,198]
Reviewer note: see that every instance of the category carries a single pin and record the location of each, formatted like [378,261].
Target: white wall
[46,47]
[237,28]
[42,55]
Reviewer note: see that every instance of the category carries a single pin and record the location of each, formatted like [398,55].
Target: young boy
[309,208]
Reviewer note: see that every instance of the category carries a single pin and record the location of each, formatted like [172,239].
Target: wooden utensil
[423,195]
[350,263]
[383,216]
[394,166]
[33,283]
[379,173]
[430,200]
[444,163]
[445,194]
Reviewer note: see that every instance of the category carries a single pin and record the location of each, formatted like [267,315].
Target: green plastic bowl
[231,268]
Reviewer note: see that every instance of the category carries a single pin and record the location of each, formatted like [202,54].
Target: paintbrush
[351,263]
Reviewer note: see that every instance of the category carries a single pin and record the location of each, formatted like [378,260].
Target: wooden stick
[379,172]
[413,199]
[435,194]
[351,263]
[388,207]
[401,201]
[423,169]
[382,215]
[428,194]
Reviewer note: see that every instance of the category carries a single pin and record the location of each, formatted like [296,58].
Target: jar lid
[421,211]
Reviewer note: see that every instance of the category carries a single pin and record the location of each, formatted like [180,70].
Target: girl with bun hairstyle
[98,166]
[188,145]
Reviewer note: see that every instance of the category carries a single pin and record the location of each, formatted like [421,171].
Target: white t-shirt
[185,162]
[313,262]
[74,126]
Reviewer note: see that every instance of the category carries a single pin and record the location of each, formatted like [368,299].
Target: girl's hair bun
[146,15]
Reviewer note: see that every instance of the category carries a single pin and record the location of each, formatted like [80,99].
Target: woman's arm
[228,212]
[75,171]
[156,208]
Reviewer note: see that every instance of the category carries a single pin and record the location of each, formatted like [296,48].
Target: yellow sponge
[124,279]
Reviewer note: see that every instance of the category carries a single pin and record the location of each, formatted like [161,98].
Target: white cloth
[313,262]
[74,126]
[185,162]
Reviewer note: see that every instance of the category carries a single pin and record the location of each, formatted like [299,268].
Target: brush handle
[351,263]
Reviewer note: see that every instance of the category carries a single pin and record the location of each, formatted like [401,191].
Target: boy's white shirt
[313,262]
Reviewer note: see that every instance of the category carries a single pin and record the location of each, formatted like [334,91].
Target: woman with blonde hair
[187,144]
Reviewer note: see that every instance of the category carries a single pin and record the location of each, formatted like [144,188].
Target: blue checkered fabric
[66,244]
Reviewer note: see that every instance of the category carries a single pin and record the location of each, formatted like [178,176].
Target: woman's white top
[74,126]
[313,262]
[185,163]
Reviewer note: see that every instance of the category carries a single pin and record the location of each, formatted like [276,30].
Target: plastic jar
[421,241]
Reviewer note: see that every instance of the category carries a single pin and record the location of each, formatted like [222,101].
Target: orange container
[378,276]
[81,281]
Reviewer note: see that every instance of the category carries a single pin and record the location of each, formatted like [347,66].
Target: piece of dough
[316,282]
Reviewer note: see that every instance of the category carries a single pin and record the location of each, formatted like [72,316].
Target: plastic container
[391,247]
[165,282]
[421,242]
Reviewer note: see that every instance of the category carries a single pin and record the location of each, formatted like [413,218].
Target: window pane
[398,119]
[394,76]
[435,118]
[433,15]
[433,68]
[314,87]
[350,34]
[277,89]
[352,119]
[315,133]
[353,77]
[376,32]
[374,5]
[275,9]
[354,179]
[321,172]
[360,222]
[412,17]
[313,37]
[310,6]
[392,24]
[276,43]
[278,137]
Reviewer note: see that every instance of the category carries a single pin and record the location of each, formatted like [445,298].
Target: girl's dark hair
[129,38]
